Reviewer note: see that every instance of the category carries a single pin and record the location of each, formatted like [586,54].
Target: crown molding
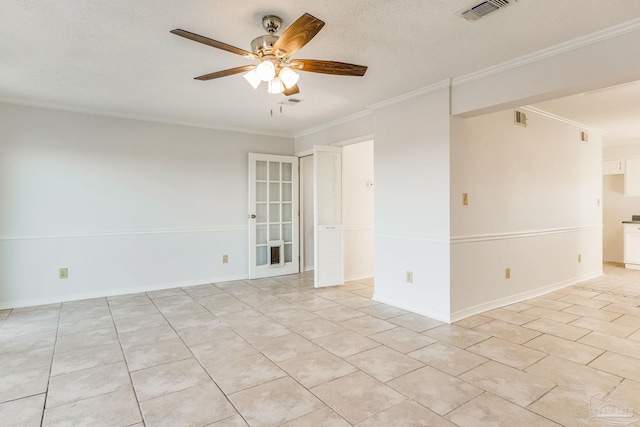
[141,118]
[589,39]
[561,119]
[370,108]
[410,95]
[621,142]
[333,123]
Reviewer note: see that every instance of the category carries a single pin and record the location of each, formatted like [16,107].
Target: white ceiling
[614,110]
[118,57]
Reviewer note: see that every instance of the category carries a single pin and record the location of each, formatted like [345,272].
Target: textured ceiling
[118,57]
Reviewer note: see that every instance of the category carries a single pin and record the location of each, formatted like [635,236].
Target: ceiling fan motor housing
[263,45]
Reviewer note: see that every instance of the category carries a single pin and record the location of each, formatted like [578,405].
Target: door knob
[252,216]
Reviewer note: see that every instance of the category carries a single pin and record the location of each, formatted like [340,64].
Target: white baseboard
[358,277]
[481,308]
[112,292]
[438,315]
[512,299]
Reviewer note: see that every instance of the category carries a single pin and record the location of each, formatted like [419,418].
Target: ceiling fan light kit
[289,77]
[275,86]
[266,70]
[273,55]
[253,78]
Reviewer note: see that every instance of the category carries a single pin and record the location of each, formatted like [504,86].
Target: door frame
[309,152]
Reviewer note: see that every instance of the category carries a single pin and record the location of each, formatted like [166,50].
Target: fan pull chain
[271,111]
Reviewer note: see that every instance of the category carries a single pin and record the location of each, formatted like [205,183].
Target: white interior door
[328,235]
[306,214]
[273,215]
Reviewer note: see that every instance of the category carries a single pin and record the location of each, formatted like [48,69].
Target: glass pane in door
[261,213]
[261,170]
[274,171]
[274,191]
[274,232]
[261,255]
[286,172]
[261,191]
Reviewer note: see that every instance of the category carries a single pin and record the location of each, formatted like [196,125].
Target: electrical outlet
[64,273]
[465,199]
[225,259]
[409,276]
[507,273]
[579,258]
[598,202]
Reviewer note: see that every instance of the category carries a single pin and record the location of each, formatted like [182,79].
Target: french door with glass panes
[273,215]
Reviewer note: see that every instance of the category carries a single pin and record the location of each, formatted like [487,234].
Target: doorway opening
[357,213]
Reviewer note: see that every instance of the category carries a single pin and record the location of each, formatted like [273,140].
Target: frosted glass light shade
[275,86]
[253,78]
[266,70]
[289,77]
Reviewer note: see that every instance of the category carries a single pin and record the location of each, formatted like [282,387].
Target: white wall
[412,204]
[358,206]
[617,208]
[126,205]
[533,207]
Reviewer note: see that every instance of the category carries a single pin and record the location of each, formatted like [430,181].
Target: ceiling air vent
[483,9]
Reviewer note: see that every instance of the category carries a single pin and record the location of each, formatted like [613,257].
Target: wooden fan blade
[328,67]
[298,34]
[213,43]
[225,73]
[291,91]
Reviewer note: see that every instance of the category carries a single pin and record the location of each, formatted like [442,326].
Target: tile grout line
[207,310]
[126,363]
[53,355]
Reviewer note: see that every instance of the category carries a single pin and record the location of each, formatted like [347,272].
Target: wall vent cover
[520,118]
[484,8]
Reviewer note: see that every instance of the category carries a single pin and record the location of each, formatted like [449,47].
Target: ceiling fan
[273,54]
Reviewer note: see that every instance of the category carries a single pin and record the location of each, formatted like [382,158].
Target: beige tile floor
[279,352]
